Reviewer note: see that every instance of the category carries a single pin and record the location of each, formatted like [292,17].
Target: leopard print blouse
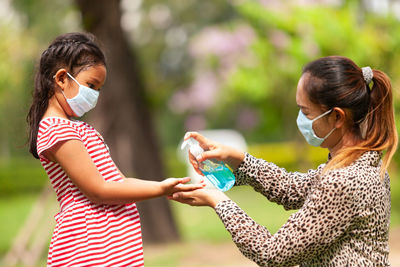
[343,217]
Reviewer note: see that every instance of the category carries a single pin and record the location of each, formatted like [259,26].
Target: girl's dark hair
[72,51]
[338,82]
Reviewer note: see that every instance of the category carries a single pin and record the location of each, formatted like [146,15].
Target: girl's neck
[55,110]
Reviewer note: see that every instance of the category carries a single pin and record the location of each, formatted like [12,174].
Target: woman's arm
[324,218]
[289,189]
[76,162]
[285,188]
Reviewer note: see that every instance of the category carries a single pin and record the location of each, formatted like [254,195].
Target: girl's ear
[340,117]
[60,78]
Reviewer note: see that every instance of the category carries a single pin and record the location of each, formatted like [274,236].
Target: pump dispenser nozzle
[215,171]
[194,147]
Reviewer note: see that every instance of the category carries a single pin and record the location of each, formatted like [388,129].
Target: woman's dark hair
[72,51]
[338,82]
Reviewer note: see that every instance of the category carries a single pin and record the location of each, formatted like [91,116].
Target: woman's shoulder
[362,172]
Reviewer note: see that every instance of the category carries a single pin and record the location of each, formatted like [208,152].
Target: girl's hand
[214,150]
[172,185]
[200,197]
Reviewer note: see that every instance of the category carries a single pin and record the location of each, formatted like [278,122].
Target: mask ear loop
[364,128]
[323,114]
[329,133]
[73,79]
[320,116]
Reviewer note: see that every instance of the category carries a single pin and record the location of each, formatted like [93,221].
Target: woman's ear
[60,78]
[340,117]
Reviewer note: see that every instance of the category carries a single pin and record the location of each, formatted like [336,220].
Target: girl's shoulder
[50,122]
[54,127]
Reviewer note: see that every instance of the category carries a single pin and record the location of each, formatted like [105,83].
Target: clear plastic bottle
[217,172]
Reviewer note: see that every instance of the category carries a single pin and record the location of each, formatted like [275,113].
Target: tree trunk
[122,115]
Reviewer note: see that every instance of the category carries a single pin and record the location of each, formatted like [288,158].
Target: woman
[344,205]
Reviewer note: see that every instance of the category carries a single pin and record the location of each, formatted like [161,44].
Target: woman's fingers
[194,163]
[203,141]
[211,154]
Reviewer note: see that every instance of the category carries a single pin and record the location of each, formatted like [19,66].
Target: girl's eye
[91,85]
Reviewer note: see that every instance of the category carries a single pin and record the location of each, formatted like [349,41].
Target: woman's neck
[348,139]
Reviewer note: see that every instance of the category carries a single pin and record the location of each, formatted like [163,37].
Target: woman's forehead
[302,98]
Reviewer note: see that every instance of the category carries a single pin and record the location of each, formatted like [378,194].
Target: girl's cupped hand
[172,185]
[199,197]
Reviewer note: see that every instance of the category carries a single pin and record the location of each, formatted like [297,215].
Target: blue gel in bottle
[215,171]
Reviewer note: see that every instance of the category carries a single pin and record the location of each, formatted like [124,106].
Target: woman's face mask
[84,101]
[305,126]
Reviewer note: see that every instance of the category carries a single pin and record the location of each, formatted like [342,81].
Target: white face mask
[305,126]
[84,101]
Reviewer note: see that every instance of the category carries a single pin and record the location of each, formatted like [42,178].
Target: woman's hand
[200,197]
[172,185]
[214,150]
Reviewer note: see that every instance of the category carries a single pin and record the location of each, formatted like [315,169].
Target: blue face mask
[305,127]
[85,100]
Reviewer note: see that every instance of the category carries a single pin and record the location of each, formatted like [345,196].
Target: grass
[13,211]
[202,223]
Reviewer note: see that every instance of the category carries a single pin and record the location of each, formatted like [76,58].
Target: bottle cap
[194,147]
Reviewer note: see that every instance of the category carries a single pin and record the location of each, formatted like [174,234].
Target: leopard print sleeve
[278,185]
[325,216]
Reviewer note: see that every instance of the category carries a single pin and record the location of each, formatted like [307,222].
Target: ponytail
[73,51]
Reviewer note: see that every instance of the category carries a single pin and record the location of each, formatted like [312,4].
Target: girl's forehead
[98,72]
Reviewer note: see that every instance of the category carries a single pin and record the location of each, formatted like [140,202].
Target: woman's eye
[90,85]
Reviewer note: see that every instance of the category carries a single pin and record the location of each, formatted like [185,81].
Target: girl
[344,205]
[98,224]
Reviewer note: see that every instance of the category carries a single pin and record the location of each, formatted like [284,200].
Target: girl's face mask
[305,126]
[85,100]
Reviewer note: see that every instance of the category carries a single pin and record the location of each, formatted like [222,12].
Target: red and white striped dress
[88,234]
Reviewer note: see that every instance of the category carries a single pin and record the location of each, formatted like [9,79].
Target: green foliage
[21,176]
[287,39]
[15,52]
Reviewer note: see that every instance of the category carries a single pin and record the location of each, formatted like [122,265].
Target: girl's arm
[76,162]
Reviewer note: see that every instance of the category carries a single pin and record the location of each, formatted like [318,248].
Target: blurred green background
[206,65]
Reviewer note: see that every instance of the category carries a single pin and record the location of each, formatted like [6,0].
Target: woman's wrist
[236,158]
[217,198]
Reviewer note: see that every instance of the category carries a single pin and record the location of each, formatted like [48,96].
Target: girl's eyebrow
[302,107]
[93,79]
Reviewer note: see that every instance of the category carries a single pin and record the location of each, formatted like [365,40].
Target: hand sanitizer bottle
[215,171]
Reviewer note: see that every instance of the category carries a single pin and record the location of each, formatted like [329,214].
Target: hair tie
[367,74]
